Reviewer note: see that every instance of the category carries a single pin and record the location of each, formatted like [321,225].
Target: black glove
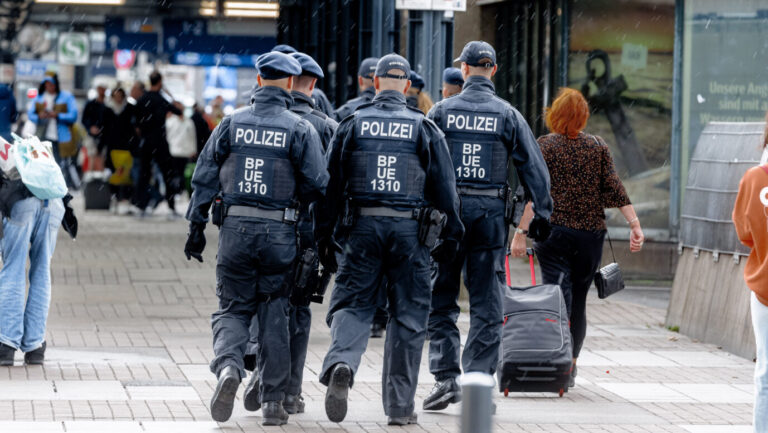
[69,222]
[445,252]
[327,249]
[539,229]
[195,242]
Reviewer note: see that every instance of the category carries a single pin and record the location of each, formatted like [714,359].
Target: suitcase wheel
[506,392]
[561,392]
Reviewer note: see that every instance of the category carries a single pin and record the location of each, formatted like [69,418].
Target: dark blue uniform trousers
[481,258]
[255,258]
[380,247]
[300,321]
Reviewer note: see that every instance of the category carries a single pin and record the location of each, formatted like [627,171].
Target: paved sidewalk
[129,342]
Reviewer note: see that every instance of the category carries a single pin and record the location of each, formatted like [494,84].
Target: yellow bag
[123,162]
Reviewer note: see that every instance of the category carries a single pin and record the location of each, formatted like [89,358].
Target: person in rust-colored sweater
[750,217]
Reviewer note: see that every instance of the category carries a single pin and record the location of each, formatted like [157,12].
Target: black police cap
[308,65]
[276,65]
[368,67]
[453,76]
[390,62]
[478,53]
[285,49]
[417,82]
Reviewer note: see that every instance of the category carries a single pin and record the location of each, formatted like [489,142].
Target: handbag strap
[608,235]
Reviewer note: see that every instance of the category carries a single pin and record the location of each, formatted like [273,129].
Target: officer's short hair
[155,78]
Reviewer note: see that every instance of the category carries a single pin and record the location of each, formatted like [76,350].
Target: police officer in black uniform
[484,135]
[452,82]
[262,161]
[318,96]
[367,91]
[301,315]
[387,164]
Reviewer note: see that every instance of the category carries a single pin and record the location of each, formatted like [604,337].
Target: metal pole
[677,106]
[476,411]
[377,29]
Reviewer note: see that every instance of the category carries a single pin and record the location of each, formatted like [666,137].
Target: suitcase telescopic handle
[529,251]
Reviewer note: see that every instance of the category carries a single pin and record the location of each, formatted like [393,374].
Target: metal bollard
[476,411]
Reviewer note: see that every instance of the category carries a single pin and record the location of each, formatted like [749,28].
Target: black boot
[338,390]
[377,330]
[35,357]
[293,404]
[252,396]
[444,393]
[273,413]
[403,420]
[6,355]
[224,398]
[572,380]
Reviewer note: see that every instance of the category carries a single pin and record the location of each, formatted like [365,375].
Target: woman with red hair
[584,184]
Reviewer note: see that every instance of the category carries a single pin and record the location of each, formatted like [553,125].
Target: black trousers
[156,149]
[300,322]
[255,258]
[570,258]
[379,247]
[481,259]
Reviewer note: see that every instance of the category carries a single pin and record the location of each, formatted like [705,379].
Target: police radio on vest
[472,122]
[379,128]
[264,137]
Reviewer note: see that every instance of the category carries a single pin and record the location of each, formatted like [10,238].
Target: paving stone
[90,390]
[161,393]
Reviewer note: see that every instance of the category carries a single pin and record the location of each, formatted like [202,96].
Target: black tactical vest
[385,166]
[258,170]
[474,139]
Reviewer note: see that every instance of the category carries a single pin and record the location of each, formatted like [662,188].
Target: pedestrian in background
[8,113]
[153,107]
[452,82]
[98,120]
[417,97]
[182,143]
[121,147]
[54,112]
[749,218]
[584,184]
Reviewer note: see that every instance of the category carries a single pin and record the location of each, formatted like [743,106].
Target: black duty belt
[494,192]
[287,215]
[389,212]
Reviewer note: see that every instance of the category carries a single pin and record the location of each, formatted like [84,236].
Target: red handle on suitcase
[528,251]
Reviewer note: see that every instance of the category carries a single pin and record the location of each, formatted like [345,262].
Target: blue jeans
[30,231]
[760,323]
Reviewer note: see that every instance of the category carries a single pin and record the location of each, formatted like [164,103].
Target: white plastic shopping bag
[7,158]
[38,168]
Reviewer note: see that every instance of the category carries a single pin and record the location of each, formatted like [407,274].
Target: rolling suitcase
[536,346]
[96,191]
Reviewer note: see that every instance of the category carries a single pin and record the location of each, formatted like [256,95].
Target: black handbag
[608,279]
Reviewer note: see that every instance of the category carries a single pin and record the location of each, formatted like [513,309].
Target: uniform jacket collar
[270,95]
[390,99]
[368,94]
[476,83]
[302,103]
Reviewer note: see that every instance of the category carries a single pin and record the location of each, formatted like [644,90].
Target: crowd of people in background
[139,141]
